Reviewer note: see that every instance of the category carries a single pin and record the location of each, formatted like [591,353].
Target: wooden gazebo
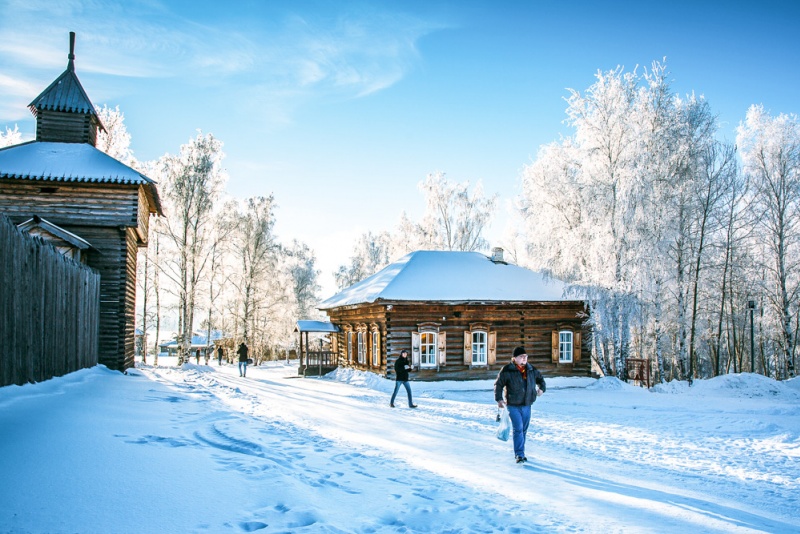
[315,362]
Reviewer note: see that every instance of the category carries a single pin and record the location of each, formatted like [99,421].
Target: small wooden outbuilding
[316,362]
[460,315]
[62,178]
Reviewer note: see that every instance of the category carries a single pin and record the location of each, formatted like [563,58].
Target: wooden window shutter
[491,356]
[415,350]
[368,349]
[442,349]
[576,347]
[554,348]
[378,345]
[467,347]
[352,347]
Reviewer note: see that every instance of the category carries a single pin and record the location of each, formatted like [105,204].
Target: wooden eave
[381,302]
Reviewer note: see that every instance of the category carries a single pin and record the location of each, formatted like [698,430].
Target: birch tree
[624,209]
[301,263]
[191,185]
[770,149]
[113,138]
[254,251]
[454,219]
[371,253]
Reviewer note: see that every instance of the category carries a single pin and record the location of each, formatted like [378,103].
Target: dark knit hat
[519,350]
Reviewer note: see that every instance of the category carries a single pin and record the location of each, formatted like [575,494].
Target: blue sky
[341,108]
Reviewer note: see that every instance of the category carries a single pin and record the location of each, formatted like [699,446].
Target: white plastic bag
[504,431]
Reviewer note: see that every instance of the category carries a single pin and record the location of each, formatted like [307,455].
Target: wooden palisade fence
[49,310]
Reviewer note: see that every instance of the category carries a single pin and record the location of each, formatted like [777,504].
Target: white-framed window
[362,348]
[427,349]
[376,349]
[479,346]
[565,346]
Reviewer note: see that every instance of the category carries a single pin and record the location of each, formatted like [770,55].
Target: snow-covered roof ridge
[450,276]
[65,162]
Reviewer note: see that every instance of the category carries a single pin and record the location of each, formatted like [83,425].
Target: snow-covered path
[199,449]
[602,459]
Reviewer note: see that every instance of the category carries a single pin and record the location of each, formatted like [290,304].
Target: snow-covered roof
[449,276]
[315,326]
[70,162]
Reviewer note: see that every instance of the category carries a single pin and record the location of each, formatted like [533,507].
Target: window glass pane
[376,355]
[362,348]
[565,346]
[427,349]
[479,348]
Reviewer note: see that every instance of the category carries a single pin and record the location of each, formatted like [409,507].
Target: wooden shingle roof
[66,93]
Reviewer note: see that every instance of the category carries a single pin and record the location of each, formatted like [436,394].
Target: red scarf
[524,370]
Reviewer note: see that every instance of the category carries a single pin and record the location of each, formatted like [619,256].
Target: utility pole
[751,304]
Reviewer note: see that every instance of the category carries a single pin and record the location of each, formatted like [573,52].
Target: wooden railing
[315,361]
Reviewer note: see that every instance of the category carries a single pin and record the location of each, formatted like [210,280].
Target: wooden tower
[63,178]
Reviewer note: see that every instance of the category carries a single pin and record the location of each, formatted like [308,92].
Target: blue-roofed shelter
[321,361]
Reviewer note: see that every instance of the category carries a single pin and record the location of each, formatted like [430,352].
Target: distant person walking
[197,356]
[401,368]
[220,355]
[522,384]
[242,352]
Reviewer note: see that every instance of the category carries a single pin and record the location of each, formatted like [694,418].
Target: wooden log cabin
[460,315]
[62,178]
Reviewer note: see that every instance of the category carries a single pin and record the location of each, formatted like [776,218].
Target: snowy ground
[199,449]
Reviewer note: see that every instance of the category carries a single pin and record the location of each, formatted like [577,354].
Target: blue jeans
[520,419]
[242,368]
[408,390]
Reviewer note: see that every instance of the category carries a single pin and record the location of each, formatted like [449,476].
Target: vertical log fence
[49,310]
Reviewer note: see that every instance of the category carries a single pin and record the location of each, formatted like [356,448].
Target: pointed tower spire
[71,56]
[63,111]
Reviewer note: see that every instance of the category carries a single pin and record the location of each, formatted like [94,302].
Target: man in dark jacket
[242,352]
[522,383]
[401,367]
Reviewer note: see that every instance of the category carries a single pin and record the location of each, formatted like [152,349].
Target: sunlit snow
[199,449]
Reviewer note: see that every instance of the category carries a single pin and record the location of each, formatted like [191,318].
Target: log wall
[70,203]
[107,217]
[49,310]
[66,127]
[528,324]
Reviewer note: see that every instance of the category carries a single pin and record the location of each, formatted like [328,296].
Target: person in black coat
[401,368]
[242,352]
[522,383]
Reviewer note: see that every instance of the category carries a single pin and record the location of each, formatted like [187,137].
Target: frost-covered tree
[10,137]
[301,263]
[770,149]
[113,138]
[629,209]
[454,219]
[254,250]
[371,253]
[191,184]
